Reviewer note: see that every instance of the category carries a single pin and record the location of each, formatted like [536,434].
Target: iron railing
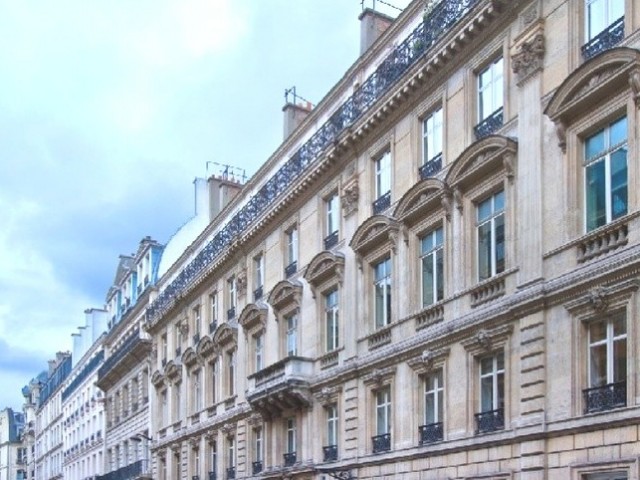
[436,23]
[606,397]
[231,473]
[489,421]
[257,293]
[382,203]
[256,467]
[128,472]
[430,433]
[289,459]
[231,313]
[84,373]
[291,269]
[608,38]
[381,443]
[122,351]
[330,453]
[431,167]
[331,240]
[212,476]
[489,125]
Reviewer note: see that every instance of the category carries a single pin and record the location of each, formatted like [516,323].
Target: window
[231,372]
[331,450]
[382,439]
[258,276]
[491,416]
[232,297]
[490,99]
[607,476]
[332,219]
[331,318]
[258,342]
[382,284]
[164,408]
[292,335]
[197,392]
[176,401]
[290,454]
[213,375]
[600,14]
[382,183]
[606,174]
[177,464]
[196,324]
[213,458]
[213,312]
[490,218]
[431,430]
[432,136]
[257,445]
[195,454]
[231,457]
[291,264]
[432,267]
[607,365]
[164,348]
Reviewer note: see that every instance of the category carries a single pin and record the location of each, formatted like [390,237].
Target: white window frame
[493,91]
[432,135]
[383,174]
[437,248]
[382,281]
[291,335]
[332,319]
[258,265]
[292,245]
[258,345]
[609,342]
[609,14]
[491,220]
[383,411]
[332,424]
[436,394]
[258,444]
[291,432]
[497,401]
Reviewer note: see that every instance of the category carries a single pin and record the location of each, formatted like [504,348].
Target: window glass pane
[595,195]
[616,10]
[619,183]
[618,131]
[594,146]
[379,306]
[500,361]
[428,280]
[598,365]
[484,210]
[486,365]
[439,275]
[430,414]
[596,17]
[499,226]
[597,331]
[620,360]
[439,237]
[484,251]
[500,399]
[619,325]
[486,394]
[498,201]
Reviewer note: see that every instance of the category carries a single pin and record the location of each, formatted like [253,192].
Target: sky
[108,111]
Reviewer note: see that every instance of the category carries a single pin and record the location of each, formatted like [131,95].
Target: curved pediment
[157,379]
[205,347]
[324,266]
[253,315]
[189,357]
[285,293]
[374,232]
[490,154]
[225,335]
[423,198]
[604,75]
[172,370]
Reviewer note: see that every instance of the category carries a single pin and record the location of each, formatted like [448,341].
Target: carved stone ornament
[326,395]
[634,83]
[210,435]
[598,299]
[428,357]
[508,160]
[447,203]
[483,339]
[241,282]
[529,58]
[349,197]
[184,328]
[255,419]
[228,428]
[561,132]
[194,441]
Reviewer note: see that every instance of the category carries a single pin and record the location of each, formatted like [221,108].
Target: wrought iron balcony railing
[608,38]
[231,473]
[196,338]
[331,240]
[489,125]
[256,467]
[438,22]
[489,421]
[291,269]
[128,472]
[178,351]
[431,167]
[195,477]
[382,203]
[330,453]
[212,326]
[289,459]
[430,433]
[381,443]
[212,475]
[231,313]
[606,397]
[257,293]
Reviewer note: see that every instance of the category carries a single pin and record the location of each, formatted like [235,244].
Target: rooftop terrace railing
[434,26]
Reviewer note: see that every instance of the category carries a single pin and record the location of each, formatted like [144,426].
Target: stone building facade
[434,276]
[12,451]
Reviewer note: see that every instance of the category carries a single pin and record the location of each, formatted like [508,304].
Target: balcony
[489,421]
[231,313]
[290,269]
[132,352]
[257,293]
[178,352]
[431,167]
[195,477]
[331,240]
[330,453]
[212,475]
[231,473]
[608,38]
[382,203]
[196,339]
[430,433]
[212,327]
[138,470]
[281,386]
[381,443]
[289,459]
[256,467]
[606,397]
[489,125]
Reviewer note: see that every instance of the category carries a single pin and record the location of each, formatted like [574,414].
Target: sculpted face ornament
[598,299]
[483,339]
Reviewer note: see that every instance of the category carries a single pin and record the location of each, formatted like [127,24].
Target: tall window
[213,375]
[490,225]
[382,183]
[213,311]
[195,453]
[213,458]
[382,439]
[492,382]
[164,408]
[197,391]
[433,401]
[432,267]
[292,335]
[382,284]
[607,364]
[232,297]
[258,342]
[490,90]
[176,401]
[291,434]
[600,14]
[257,445]
[196,322]
[258,276]
[331,317]
[606,174]
[164,347]
[432,136]
[231,452]
[332,220]
[231,372]
[332,424]
[292,246]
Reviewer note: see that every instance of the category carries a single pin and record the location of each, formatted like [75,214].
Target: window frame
[436,248]
[431,134]
[480,90]
[491,221]
[385,282]
[331,319]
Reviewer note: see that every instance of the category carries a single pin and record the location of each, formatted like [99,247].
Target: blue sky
[108,110]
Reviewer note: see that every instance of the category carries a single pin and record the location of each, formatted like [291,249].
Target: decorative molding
[421,199]
[286,293]
[350,196]
[428,360]
[599,299]
[379,376]
[529,59]
[241,282]
[377,232]
[253,316]
[225,335]
[485,341]
[634,83]
[328,395]
[323,268]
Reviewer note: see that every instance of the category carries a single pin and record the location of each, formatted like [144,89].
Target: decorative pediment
[428,360]
[284,294]
[189,357]
[172,371]
[324,266]
[377,231]
[205,347]
[328,395]
[488,155]
[254,315]
[486,341]
[422,199]
[157,379]
[379,377]
[225,335]
[604,76]
[596,300]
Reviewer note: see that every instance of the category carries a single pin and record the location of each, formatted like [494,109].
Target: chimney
[221,191]
[372,25]
[294,114]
